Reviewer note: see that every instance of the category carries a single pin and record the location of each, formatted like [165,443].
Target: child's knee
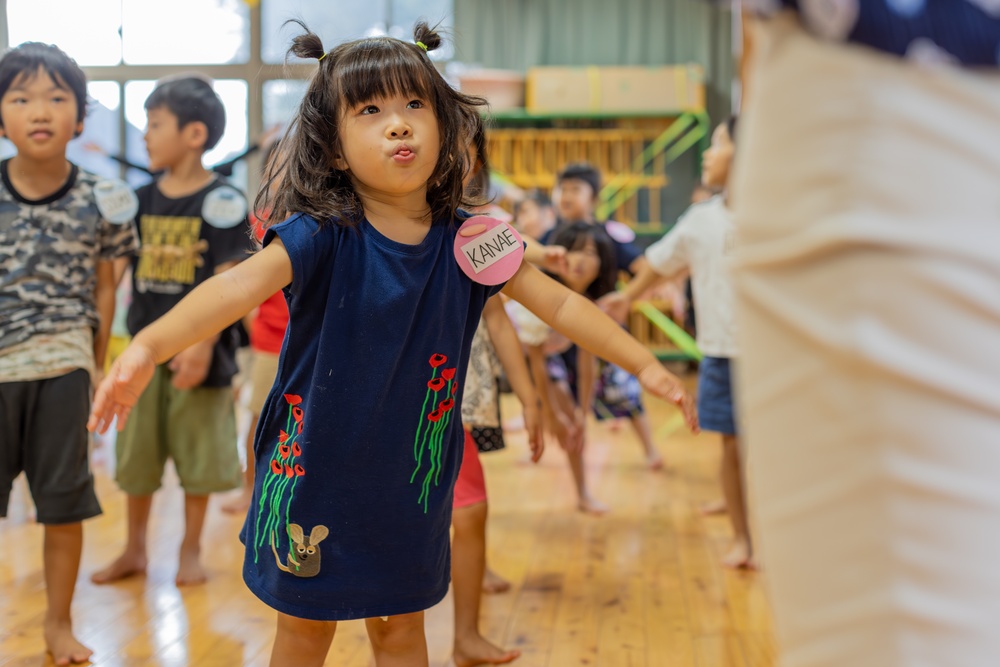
[397,634]
[306,631]
[468,519]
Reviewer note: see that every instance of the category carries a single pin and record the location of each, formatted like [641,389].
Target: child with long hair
[566,376]
[359,441]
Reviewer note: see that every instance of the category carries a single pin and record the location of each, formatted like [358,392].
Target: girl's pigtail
[426,37]
[307,45]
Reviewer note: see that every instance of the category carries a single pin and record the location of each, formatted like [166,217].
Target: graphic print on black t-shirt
[172,251]
[432,425]
[184,240]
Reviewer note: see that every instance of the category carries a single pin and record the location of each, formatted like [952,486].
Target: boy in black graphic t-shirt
[192,225]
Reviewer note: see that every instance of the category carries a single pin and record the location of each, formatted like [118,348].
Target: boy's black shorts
[43,431]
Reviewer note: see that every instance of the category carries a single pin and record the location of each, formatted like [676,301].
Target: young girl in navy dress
[360,439]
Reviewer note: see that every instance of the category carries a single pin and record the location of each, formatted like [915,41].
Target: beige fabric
[867,205]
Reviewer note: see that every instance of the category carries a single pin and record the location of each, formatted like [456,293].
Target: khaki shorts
[196,428]
[265,369]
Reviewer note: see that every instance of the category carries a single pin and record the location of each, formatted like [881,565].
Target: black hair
[479,187]
[582,171]
[354,72]
[191,99]
[574,237]
[535,195]
[25,61]
[731,123]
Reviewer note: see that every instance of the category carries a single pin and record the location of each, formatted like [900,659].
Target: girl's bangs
[383,67]
[574,237]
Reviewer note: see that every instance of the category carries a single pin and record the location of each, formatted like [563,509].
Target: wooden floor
[639,587]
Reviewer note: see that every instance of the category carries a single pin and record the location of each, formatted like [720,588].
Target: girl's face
[532,220]
[390,145]
[583,266]
[715,162]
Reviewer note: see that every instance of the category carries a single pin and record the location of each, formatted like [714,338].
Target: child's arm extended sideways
[577,318]
[207,310]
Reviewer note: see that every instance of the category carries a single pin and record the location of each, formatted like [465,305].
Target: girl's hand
[658,381]
[533,424]
[190,367]
[120,390]
[563,427]
[554,259]
[580,422]
[616,305]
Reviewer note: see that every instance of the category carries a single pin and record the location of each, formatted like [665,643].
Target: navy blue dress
[360,440]
[962,31]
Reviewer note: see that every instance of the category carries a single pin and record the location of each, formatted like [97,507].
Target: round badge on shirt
[224,207]
[116,201]
[489,251]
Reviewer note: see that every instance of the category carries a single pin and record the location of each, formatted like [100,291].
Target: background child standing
[59,243]
[701,243]
[192,225]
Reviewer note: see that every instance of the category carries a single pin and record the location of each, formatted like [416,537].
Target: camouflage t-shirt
[49,251]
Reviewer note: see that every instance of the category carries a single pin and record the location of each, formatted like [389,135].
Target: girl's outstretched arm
[207,310]
[508,347]
[577,318]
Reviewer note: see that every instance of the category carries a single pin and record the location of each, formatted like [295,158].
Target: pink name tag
[488,250]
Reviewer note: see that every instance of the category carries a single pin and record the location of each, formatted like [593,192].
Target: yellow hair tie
[321,58]
[422,45]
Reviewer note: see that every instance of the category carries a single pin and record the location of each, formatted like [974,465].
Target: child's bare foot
[63,645]
[189,569]
[654,461]
[474,650]
[590,506]
[494,583]
[739,556]
[713,507]
[239,504]
[125,566]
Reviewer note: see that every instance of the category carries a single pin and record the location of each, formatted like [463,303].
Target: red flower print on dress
[431,439]
[278,488]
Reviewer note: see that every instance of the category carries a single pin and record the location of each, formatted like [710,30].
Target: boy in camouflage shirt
[62,231]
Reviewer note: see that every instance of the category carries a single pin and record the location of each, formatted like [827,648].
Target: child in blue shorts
[701,242]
